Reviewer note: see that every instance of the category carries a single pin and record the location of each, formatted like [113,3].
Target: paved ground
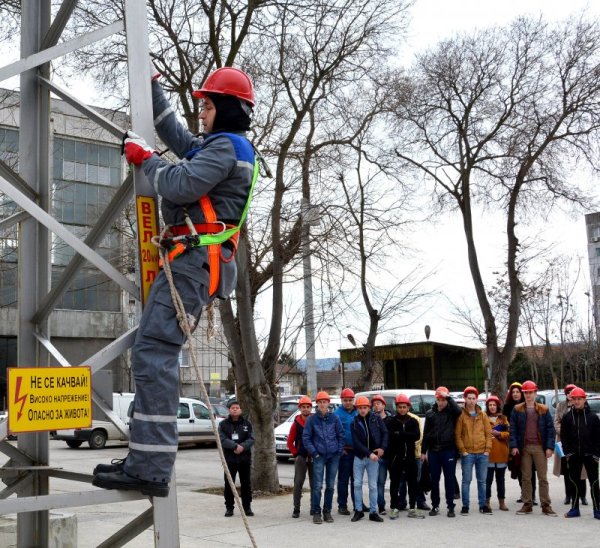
[202,523]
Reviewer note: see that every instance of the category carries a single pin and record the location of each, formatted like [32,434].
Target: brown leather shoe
[527,508]
[547,510]
[502,505]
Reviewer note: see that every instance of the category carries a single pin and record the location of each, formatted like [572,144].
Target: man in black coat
[404,432]
[237,439]
[439,448]
[580,436]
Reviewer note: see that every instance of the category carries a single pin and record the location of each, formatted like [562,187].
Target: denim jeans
[480,462]
[372,468]
[442,460]
[499,470]
[327,467]
[383,469]
[345,475]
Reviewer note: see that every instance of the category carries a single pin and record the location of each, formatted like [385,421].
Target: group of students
[362,437]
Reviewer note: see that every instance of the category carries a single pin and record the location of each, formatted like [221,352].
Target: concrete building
[87,169]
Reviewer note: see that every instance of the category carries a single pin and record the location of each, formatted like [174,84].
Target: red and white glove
[136,150]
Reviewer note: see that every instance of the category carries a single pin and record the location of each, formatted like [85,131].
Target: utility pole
[310,217]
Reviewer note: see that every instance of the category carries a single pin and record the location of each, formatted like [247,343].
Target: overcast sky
[442,243]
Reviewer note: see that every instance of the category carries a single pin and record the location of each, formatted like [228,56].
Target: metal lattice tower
[30,189]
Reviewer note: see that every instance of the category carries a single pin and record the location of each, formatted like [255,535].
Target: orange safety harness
[212,234]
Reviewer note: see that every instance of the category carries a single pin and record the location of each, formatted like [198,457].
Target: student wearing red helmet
[405,432]
[562,409]
[532,437]
[439,448]
[580,433]
[474,443]
[204,201]
[302,461]
[514,396]
[323,438]
[346,413]
[370,441]
[378,405]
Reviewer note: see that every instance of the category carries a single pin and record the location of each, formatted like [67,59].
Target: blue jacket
[377,437]
[518,420]
[323,435]
[346,418]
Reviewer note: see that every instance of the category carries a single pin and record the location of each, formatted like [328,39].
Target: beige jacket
[473,435]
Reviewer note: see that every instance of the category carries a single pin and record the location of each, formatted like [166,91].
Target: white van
[101,430]
[421,401]
[193,424]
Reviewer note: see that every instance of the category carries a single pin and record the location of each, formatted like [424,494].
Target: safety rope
[184,323]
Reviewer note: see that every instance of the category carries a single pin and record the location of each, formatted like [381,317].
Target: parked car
[193,422]
[282,431]
[421,401]
[548,397]
[193,425]
[594,403]
[101,431]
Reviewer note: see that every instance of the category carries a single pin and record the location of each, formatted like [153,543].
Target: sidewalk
[202,524]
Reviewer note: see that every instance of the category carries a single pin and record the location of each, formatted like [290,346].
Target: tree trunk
[254,387]
[259,402]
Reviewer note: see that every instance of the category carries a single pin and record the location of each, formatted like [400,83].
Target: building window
[598,252]
[86,176]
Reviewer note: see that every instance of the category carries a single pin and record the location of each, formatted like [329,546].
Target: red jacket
[294,441]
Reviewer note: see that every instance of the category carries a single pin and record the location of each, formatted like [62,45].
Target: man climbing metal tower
[205,199]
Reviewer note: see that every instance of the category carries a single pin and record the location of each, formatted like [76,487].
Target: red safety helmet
[378,397]
[470,390]
[304,400]
[569,387]
[347,393]
[322,396]
[494,399]
[363,401]
[529,386]
[442,392]
[228,81]
[402,398]
[578,393]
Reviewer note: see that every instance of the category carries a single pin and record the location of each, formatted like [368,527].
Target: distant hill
[328,364]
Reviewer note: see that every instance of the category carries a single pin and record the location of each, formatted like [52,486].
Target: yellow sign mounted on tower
[49,398]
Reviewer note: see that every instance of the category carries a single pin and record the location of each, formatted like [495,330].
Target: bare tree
[305,59]
[494,120]
[371,218]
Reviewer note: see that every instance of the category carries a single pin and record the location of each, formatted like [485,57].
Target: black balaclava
[230,116]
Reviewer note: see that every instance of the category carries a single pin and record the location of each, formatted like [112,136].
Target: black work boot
[120,480]
[296,513]
[116,465]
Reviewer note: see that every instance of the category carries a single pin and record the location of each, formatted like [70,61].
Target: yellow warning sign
[49,398]
[147,226]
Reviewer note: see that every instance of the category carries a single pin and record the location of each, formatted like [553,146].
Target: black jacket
[404,433]
[365,442]
[438,433]
[228,429]
[580,432]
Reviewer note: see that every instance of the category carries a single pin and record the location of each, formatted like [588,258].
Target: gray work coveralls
[221,167]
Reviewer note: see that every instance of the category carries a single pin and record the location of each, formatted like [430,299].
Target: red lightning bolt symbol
[20,398]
